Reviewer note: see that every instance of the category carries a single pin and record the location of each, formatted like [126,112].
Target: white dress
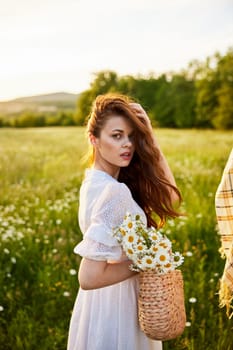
[106,318]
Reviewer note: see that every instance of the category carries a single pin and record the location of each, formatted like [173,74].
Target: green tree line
[29,119]
[199,96]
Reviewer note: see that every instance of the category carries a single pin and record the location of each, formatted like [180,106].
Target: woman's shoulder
[117,190]
[105,187]
[99,179]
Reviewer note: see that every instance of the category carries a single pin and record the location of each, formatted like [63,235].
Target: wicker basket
[161,309]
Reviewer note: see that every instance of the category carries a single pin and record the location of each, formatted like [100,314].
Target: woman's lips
[126,155]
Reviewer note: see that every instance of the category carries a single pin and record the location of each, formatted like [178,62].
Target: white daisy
[189,253]
[129,222]
[165,243]
[192,300]
[178,259]
[140,247]
[148,262]
[123,232]
[131,254]
[129,239]
[72,272]
[154,235]
[154,248]
[137,217]
[168,267]
[162,257]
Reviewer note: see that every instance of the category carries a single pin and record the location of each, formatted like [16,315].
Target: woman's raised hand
[142,115]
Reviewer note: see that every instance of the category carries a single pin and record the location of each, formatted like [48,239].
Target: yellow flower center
[140,247]
[123,232]
[130,225]
[130,239]
[130,251]
[162,258]
[148,261]
[168,265]
[177,258]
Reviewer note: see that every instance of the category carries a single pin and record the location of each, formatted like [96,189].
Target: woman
[224,213]
[129,173]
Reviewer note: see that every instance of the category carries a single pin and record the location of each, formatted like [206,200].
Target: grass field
[40,173]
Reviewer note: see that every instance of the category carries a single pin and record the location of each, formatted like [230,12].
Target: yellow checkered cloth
[224,213]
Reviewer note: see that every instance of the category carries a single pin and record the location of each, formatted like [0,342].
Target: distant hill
[40,103]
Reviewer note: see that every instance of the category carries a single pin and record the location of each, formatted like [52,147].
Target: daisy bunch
[147,248]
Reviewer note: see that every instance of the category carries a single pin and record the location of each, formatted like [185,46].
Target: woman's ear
[92,139]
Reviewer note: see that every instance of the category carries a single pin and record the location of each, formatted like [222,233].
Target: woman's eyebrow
[119,130]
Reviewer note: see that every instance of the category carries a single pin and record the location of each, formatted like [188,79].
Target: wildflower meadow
[41,170]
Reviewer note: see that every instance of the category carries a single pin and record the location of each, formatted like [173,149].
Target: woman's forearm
[97,274]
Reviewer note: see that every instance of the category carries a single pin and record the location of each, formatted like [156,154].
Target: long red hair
[144,175]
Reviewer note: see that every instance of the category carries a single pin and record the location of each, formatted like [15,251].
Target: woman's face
[115,145]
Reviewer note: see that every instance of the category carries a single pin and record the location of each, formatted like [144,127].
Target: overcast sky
[56,45]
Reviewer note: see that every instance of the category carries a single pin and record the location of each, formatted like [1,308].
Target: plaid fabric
[224,213]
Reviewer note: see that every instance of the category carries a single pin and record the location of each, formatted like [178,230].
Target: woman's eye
[116,136]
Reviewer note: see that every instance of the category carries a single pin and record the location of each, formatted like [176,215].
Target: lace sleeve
[91,249]
[98,241]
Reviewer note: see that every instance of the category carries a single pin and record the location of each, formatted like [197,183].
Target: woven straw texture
[161,309]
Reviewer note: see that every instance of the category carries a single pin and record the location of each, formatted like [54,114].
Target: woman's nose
[127,143]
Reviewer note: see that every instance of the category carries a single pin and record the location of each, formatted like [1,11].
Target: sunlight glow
[57,45]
